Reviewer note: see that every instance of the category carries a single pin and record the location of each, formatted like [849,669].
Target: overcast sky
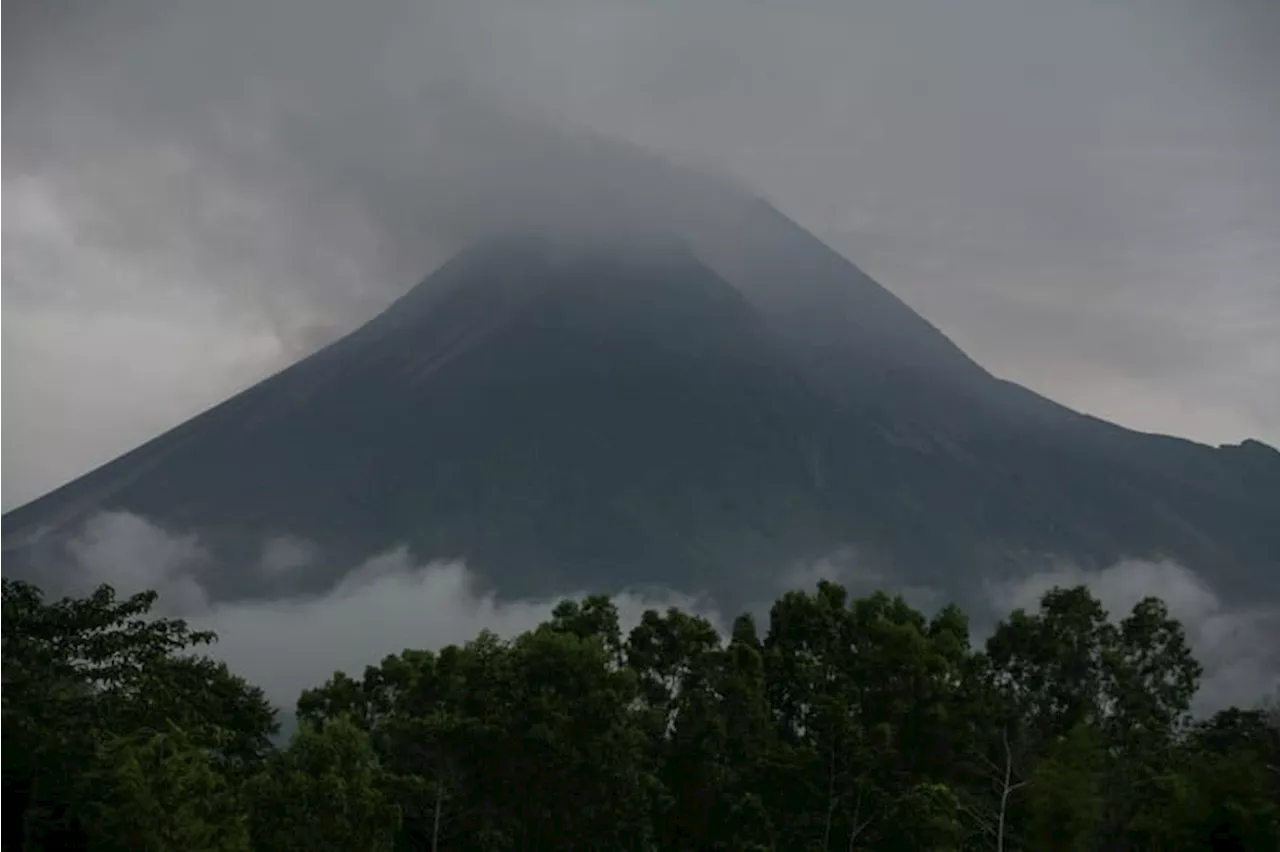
[1084,194]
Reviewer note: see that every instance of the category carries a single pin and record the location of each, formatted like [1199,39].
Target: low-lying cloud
[389,603]
[395,601]
[1239,646]
[133,554]
[383,606]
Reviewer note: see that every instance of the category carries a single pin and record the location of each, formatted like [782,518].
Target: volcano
[697,405]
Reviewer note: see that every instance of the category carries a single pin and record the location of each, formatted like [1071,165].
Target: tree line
[844,724]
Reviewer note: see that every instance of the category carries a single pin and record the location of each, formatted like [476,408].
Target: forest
[843,724]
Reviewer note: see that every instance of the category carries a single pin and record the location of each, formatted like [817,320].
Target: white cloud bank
[1239,647]
[387,604]
[393,601]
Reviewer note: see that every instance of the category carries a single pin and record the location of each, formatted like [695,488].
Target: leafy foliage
[162,792]
[849,724]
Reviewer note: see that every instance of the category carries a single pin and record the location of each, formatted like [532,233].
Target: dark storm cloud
[1084,195]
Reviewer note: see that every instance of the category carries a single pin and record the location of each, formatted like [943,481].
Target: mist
[1053,183]
[328,161]
[1239,646]
[397,600]
[382,606]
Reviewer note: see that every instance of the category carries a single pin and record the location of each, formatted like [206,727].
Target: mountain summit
[700,405]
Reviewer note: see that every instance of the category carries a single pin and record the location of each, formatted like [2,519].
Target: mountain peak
[700,404]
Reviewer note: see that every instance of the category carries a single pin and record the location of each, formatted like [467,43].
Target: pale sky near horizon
[1083,194]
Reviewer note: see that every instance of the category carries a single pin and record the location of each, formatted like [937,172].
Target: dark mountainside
[700,409]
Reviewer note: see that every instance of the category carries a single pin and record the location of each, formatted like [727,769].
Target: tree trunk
[831,800]
[435,822]
[859,824]
[1006,789]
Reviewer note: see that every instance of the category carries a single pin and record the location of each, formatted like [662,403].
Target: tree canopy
[841,724]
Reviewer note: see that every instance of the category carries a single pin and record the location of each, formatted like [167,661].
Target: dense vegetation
[848,725]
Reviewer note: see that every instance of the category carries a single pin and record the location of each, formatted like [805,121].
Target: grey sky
[1084,195]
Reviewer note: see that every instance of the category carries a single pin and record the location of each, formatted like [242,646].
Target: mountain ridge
[706,405]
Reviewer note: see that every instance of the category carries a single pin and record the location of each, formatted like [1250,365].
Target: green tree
[80,671]
[674,658]
[1066,793]
[1049,664]
[925,815]
[741,819]
[160,792]
[327,791]
[573,756]
[1229,791]
[852,724]
[1151,677]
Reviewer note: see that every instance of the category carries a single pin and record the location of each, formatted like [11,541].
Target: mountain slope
[698,409]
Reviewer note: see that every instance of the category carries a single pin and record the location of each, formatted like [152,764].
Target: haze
[1084,196]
